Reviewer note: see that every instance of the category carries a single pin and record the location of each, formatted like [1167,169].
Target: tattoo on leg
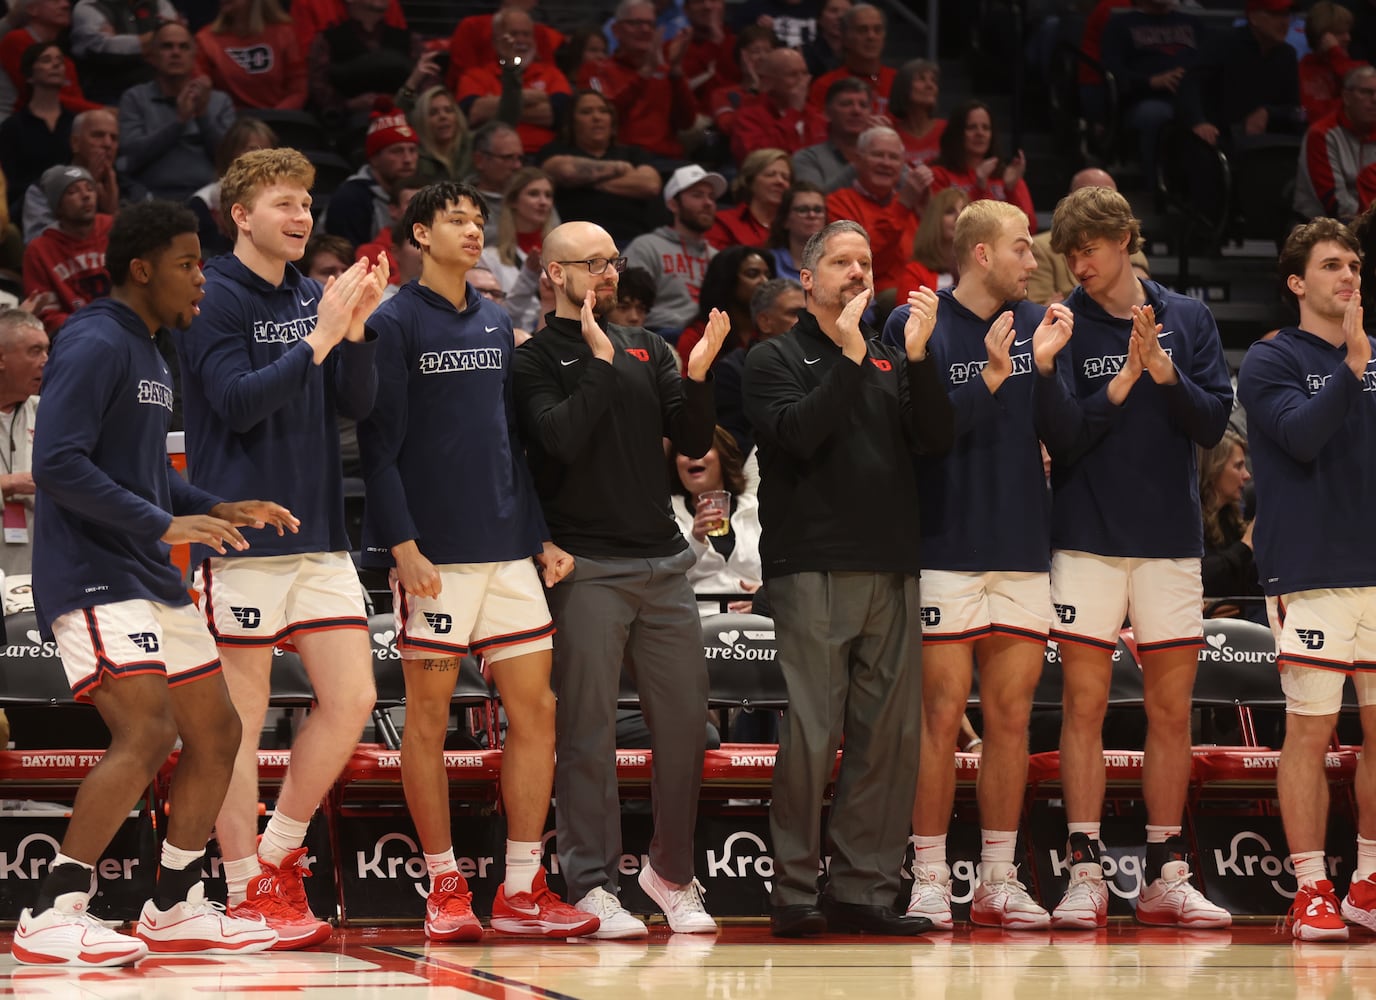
[442,666]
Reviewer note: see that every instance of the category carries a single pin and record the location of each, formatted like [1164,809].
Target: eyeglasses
[809,210]
[596,265]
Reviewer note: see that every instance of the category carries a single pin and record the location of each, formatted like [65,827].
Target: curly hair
[141,231]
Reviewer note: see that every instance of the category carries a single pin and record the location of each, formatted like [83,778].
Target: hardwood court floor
[1252,961]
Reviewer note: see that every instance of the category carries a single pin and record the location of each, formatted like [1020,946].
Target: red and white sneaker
[1359,905]
[198,925]
[449,910]
[1172,901]
[67,934]
[931,895]
[266,899]
[1006,903]
[1314,914]
[539,912]
[1084,905]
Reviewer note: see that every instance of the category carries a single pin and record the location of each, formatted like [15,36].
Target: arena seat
[742,666]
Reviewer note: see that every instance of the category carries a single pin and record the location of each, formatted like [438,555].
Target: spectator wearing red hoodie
[68,258]
[645,83]
[780,117]
[251,51]
[863,32]
[1328,29]
[544,90]
[709,58]
[47,19]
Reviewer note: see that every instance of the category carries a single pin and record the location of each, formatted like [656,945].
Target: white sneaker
[198,925]
[682,906]
[1173,902]
[615,922]
[1006,903]
[1084,905]
[67,934]
[931,896]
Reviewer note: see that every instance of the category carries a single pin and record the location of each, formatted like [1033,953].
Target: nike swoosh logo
[811,361]
[488,329]
[532,911]
[567,363]
[1020,343]
[306,302]
[1163,336]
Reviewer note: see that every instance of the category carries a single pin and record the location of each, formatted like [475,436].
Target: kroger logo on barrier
[27,864]
[733,648]
[1267,864]
[1217,650]
[411,865]
[751,860]
[1130,865]
[963,872]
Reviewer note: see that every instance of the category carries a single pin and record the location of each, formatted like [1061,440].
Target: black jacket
[837,486]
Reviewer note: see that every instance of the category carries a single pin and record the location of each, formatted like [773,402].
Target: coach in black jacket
[838,417]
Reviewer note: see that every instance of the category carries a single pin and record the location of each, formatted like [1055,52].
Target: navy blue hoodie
[260,414]
[1312,433]
[1124,477]
[106,491]
[985,505]
[441,456]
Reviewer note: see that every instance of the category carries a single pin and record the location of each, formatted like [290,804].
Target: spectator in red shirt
[252,53]
[68,258]
[544,91]
[862,38]
[802,213]
[313,16]
[47,20]
[759,188]
[912,105]
[1328,29]
[753,44]
[888,211]
[780,118]
[933,263]
[968,161]
[471,44]
[586,45]
[709,57]
[645,83]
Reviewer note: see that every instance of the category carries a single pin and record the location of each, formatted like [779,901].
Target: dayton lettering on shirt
[1316,382]
[1109,364]
[155,393]
[964,371]
[691,269]
[473,359]
[93,260]
[266,331]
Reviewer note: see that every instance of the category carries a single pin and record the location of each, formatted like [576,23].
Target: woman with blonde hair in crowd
[1228,567]
[765,176]
[933,264]
[446,145]
[275,83]
[524,220]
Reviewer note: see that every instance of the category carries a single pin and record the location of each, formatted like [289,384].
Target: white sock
[438,864]
[282,836]
[928,851]
[1366,859]
[996,854]
[1308,868]
[1161,834]
[62,859]
[522,862]
[238,874]
[176,860]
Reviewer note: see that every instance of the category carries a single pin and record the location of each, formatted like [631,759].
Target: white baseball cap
[685,177]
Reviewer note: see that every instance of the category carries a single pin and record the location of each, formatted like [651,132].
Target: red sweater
[651,110]
[71,268]
[760,124]
[471,45]
[891,226]
[482,81]
[12,48]
[969,183]
[1321,81]
[880,85]
[924,149]
[256,71]
[737,227]
[715,59]
[313,16]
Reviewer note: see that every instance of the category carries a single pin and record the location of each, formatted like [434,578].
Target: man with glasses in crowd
[595,401]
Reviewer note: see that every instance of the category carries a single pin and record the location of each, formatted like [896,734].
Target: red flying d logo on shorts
[639,353]
[882,364]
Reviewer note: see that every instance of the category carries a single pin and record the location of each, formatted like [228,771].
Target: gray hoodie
[678,266]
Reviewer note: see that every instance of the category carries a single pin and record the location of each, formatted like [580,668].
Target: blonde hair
[451,155]
[928,248]
[260,14]
[506,218]
[1093,213]
[982,222]
[1219,518]
[754,164]
[260,168]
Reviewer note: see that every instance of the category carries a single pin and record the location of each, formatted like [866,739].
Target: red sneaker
[539,913]
[449,910]
[1314,915]
[280,898]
